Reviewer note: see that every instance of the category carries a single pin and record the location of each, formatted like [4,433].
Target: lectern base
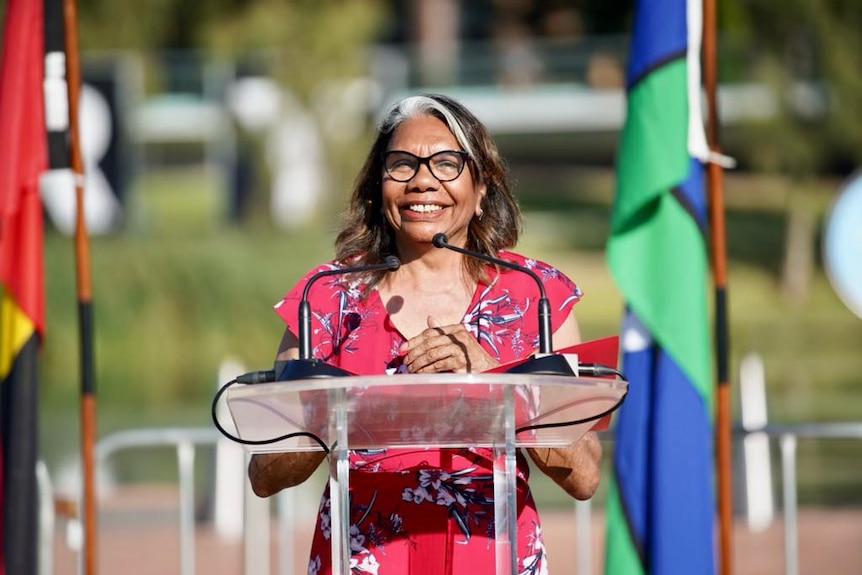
[433,519]
[497,412]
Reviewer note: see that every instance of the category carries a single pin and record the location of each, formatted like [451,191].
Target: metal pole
[256,533]
[85,315]
[788,466]
[186,465]
[719,265]
[583,510]
[47,519]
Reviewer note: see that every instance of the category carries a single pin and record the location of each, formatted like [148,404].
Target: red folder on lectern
[604,351]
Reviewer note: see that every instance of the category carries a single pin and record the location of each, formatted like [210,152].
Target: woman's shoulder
[326,279]
[324,266]
[327,268]
[536,265]
[521,259]
[550,276]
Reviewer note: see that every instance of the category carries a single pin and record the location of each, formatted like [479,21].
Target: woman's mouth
[424,208]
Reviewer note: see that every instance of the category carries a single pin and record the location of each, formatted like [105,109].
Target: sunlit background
[221,139]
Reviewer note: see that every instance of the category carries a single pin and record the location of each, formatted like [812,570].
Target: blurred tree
[809,53]
[318,51]
[107,25]
[608,16]
[307,40]
[312,49]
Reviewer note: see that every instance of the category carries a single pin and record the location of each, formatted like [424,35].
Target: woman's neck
[426,287]
[431,272]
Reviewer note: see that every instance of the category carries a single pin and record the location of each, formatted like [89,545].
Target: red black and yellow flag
[23,158]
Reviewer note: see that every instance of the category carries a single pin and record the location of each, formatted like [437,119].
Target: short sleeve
[562,294]
[288,307]
[561,291]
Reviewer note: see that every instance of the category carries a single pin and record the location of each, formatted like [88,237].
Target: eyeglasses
[445,166]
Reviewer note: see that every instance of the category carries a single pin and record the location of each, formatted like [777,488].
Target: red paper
[604,351]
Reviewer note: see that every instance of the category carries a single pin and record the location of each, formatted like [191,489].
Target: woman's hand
[445,348]
[574,468]
[269,473]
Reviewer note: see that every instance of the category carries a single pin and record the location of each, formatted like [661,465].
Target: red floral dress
[427,511]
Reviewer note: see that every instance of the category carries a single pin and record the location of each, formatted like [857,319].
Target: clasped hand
[445,348]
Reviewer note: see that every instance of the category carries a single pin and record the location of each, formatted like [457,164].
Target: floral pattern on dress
[397,493]
[367,535]
[465,497]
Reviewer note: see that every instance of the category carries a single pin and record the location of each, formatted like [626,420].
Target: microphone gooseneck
[390,263]
[545,343]
[307,367]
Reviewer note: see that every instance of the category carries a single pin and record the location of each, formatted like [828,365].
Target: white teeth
[425,207]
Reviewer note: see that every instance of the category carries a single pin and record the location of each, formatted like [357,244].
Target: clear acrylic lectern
[501,411]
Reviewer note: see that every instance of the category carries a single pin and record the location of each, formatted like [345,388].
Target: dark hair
[366,237]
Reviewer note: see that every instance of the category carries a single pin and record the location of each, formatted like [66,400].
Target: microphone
[307,367]
[390,263]
[545,347]
[549,363]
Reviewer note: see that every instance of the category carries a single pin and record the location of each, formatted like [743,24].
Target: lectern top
[443,409]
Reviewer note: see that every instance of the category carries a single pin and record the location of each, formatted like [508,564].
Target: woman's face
[423,206]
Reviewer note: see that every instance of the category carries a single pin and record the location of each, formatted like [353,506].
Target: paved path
[138,535]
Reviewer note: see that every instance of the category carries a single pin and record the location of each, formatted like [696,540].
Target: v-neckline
[480,285]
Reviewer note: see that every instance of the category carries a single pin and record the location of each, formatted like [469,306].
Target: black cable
[588,370]
[574,421]
[242,441]
[599,370]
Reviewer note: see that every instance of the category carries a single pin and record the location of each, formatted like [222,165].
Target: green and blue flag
[660,511]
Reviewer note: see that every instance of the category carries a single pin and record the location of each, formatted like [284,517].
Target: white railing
[787,436]
[185,442]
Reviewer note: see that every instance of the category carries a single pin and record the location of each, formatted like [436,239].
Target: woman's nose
[424,177]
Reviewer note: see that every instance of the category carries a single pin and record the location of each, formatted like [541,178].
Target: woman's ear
[482,190]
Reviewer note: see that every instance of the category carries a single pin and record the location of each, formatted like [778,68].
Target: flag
[660,509]
[23,158]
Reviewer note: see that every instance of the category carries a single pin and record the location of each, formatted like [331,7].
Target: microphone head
[393,262]
[440,240]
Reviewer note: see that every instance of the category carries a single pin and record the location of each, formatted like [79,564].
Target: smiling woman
[418,203]
[433,169]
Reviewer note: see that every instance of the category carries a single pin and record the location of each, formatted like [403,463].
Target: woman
[433,168]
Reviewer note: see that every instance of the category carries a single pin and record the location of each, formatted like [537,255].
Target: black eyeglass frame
[427,161]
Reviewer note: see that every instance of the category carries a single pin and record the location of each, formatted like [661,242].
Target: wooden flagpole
[85,315]
[719,266]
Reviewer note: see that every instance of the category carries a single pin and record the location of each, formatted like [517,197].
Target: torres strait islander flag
[660,510]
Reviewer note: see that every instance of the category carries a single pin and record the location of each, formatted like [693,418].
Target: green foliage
[838,25]
[317,51]
[109,25]
[309,40]
[808,53]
